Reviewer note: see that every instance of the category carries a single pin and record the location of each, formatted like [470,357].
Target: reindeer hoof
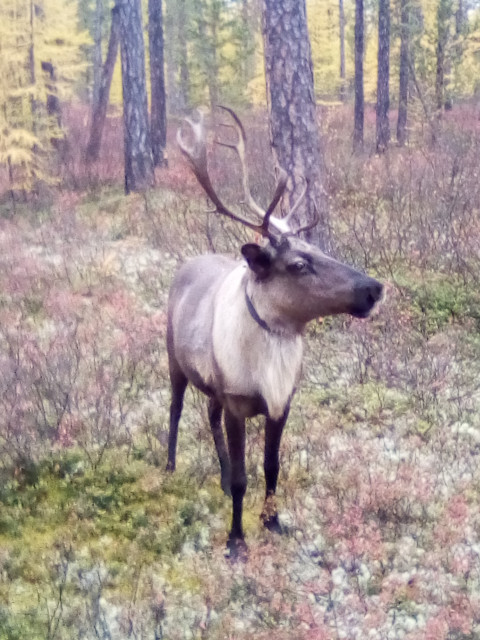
[272,523]
[237,550]
[170,466]
[269,515]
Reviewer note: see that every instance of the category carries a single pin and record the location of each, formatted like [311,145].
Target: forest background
[380,481]
[53,52]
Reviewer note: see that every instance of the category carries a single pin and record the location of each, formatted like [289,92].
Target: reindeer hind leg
[215,417]
[179,383]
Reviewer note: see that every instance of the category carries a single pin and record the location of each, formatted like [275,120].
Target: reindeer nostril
[374,292]
[366,295]
[377,291]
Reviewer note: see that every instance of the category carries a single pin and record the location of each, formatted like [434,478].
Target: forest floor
[380,462]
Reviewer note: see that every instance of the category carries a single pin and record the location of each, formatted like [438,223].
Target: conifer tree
[176,54]
[359,90]
[403,71]
[444,23]
[383,77]
[41,60]
[99,107]
[207,24]
[138,150]
[291,105]
[97,52]
[158,117]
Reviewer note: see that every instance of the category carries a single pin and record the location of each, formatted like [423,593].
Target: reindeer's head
[291,281]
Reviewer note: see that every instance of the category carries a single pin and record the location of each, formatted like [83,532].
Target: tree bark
[421,96]
[183,57]
[99,112]
[139,173]
[248,45]
[444,15]
[158,116]
[383,94]
[403,74]
[343,88]
[460,18]
[97,52]
[212,59]
[178,80]
[359,113]
[206,44]
[53,103]
[291,106]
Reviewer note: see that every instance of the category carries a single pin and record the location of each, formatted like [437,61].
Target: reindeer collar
[254,313]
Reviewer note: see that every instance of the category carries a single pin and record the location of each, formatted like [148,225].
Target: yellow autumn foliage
[32,33]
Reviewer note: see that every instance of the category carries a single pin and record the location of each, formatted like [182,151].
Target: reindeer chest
[250,361]
[259,364]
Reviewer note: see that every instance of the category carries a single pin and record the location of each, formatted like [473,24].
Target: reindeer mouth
[361,314]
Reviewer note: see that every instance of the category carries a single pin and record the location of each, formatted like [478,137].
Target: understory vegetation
[380,462]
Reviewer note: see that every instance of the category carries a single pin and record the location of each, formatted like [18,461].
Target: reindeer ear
[258,259]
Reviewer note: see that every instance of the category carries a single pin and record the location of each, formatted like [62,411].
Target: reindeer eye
[299,266]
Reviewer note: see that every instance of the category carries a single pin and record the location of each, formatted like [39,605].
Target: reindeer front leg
[235,428]
[273,435]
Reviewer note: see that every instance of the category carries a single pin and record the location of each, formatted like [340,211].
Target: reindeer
[235,328]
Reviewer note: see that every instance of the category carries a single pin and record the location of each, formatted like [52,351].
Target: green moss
[8,525]
[19,627]
[371,402]
[111,502]
[441,299]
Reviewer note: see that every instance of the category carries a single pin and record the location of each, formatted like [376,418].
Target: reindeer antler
[196,154]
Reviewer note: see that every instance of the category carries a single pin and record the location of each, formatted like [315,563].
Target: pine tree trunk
[248,62]
[343,87]
[207,17]
[212,58]
[100,107]
[291,105]
[158,116]
[444,14]
[359,94]
[171,25]
[178,80]
[383,95]
[440,78]
[183,57]
[138,149]
[53,103]
[403,74]
[97,52]
[460,18]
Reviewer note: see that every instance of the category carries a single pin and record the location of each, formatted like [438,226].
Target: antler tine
[297,203]
[239,147]
[197,152]
[279,191]
[280,224]
[309,225]
[197,157]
